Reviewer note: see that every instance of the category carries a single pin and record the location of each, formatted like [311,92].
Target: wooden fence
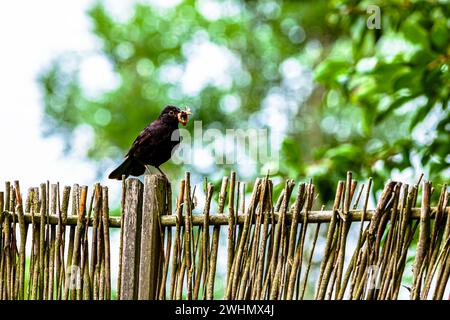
[267,248]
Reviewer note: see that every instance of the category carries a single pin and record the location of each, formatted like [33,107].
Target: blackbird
[154,144]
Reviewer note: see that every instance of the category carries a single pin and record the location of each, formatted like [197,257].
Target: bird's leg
[164,175]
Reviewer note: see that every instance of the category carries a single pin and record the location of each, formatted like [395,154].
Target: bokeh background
[79,80]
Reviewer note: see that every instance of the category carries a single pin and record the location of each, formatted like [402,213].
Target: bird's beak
[183,116]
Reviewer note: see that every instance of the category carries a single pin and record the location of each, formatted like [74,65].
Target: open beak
[183,116]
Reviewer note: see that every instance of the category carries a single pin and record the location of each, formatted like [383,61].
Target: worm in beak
[183,116]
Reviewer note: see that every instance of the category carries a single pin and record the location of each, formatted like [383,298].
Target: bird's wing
[150,136]
[146,135]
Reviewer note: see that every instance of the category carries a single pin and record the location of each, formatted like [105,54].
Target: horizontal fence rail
[55,244]
[312,217]
[216,219]
[114,222]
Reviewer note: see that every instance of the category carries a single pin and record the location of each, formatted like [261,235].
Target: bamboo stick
[165,268]
[423,243]
[205,240]
[177,243]
[188,235]
[23,240]
[105,216]
[215,242]
[230,251]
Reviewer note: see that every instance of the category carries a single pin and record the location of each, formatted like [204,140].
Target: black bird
[154,144]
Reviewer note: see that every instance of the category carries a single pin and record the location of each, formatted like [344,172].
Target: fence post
[131,240]
[153,207]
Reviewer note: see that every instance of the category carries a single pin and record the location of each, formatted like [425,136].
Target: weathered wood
[384,243]
[105,216]
[131,240]
[94,232]
[153,208]
[423,243]
[71,220]
[188,237]
[215,241]
[122,215]
[313,217]
[23,239]
[75,265]
[219,219]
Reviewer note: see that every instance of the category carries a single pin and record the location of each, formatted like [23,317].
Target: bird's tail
[130,167]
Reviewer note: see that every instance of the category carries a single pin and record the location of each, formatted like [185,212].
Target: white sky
[32,33]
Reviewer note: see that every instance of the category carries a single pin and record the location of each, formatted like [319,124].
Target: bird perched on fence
[154,145]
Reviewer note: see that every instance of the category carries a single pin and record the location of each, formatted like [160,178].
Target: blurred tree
[383,99]
[387,97]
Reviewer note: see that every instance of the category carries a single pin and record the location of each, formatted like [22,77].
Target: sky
[51,28]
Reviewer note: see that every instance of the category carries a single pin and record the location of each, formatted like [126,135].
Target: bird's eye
[171,113]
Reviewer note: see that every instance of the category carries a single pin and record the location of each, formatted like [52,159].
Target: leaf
[387,74]
[411,80]
[422,57]
[440,34]
[394,105]
[343,152]
[414,33]
[331,69]
[291,152]
[421,113]
[368,120]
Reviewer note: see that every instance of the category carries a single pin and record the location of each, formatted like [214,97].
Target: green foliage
[378,89]
[398,77]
